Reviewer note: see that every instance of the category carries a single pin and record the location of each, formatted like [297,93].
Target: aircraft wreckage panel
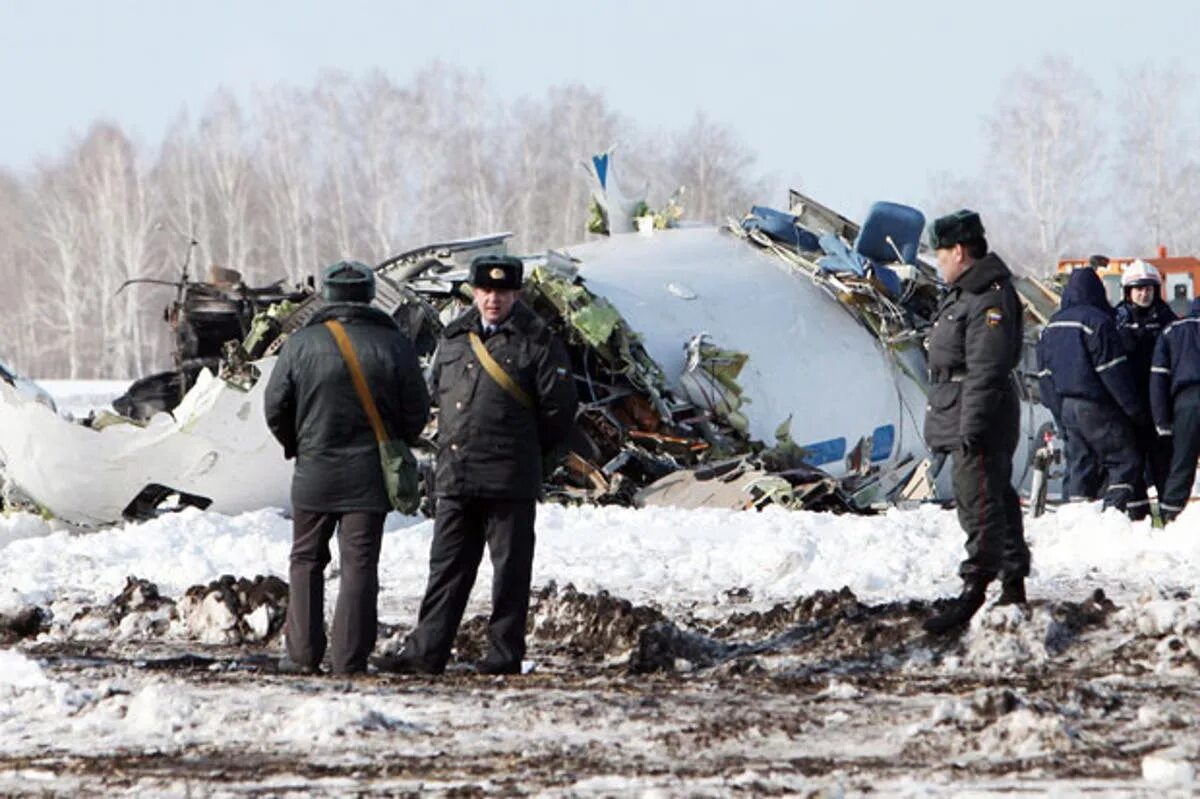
[217,447]
[809,358]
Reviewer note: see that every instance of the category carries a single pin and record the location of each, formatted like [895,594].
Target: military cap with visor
[496,272]
[959,227]
[348,281]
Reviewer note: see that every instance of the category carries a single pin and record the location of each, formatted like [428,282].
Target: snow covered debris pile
[228,610]
[21,623]
[232,611]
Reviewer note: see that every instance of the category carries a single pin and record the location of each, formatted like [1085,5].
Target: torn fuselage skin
[722,352]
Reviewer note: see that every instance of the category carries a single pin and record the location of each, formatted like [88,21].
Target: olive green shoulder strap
[497,372]
[356,376]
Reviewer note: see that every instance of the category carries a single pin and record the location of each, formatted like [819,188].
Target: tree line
[293,178]
[1068,171]
[296,178]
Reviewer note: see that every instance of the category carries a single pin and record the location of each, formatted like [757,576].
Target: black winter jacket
[1080,353]
[1176,367]
[489,444]
[1139,329]
[973,348]
[313,410]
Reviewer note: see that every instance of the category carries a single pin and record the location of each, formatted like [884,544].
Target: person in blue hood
[1175,402]
[1087,382]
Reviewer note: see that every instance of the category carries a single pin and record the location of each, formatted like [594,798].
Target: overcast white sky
[853,100]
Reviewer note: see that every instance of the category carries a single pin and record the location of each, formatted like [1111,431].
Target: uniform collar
[352,312]
[520,319]
[983,273]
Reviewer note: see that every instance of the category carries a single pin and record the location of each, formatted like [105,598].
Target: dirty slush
[823,694]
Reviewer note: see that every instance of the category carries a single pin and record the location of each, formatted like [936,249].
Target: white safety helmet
[1140,273]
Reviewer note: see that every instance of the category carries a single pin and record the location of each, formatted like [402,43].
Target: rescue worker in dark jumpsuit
[314,411]
[974,411]
[1175,402]
[492,439]
[1142,316]
[1094,262]
[1087,382]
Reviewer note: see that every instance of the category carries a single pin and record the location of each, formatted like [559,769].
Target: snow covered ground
[77,397]
[701,653]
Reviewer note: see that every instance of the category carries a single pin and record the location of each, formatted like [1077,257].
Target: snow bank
[653,555]
[18,672]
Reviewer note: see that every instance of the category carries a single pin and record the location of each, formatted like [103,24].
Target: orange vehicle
[1181,277]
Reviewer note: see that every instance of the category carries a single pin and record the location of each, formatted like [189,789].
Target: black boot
[960,609]
[488,666]
[285,665]
[1012,591]
[403,663]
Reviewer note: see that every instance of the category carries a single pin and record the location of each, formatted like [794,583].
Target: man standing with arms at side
[974,412]
[506,397]
[314,411]
[1142,316]
[1175,402]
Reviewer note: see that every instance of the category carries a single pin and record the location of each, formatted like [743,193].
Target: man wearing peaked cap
[497,272]
[314,411]
[973,413]
[348,281]
[506,398]
[956,228]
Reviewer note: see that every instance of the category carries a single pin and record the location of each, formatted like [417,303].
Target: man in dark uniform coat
[312,408]
[494,427]
[974,411]
[1088,383]
[1175,402]
[1142,316]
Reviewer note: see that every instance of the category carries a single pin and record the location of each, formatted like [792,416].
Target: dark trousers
[989,511]
[1185,430]
[462,527]
[355,619]
[1102,452]
[1155,452]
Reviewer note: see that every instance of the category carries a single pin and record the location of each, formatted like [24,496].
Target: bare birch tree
[351,167]
[121,215]
[16,272]
[1044,159]
[59,246]
[711,165]
[1157,167]
[224,164]
[549,192]
[287,158]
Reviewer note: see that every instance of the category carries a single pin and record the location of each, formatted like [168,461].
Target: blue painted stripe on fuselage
[882,441]
[819,453]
